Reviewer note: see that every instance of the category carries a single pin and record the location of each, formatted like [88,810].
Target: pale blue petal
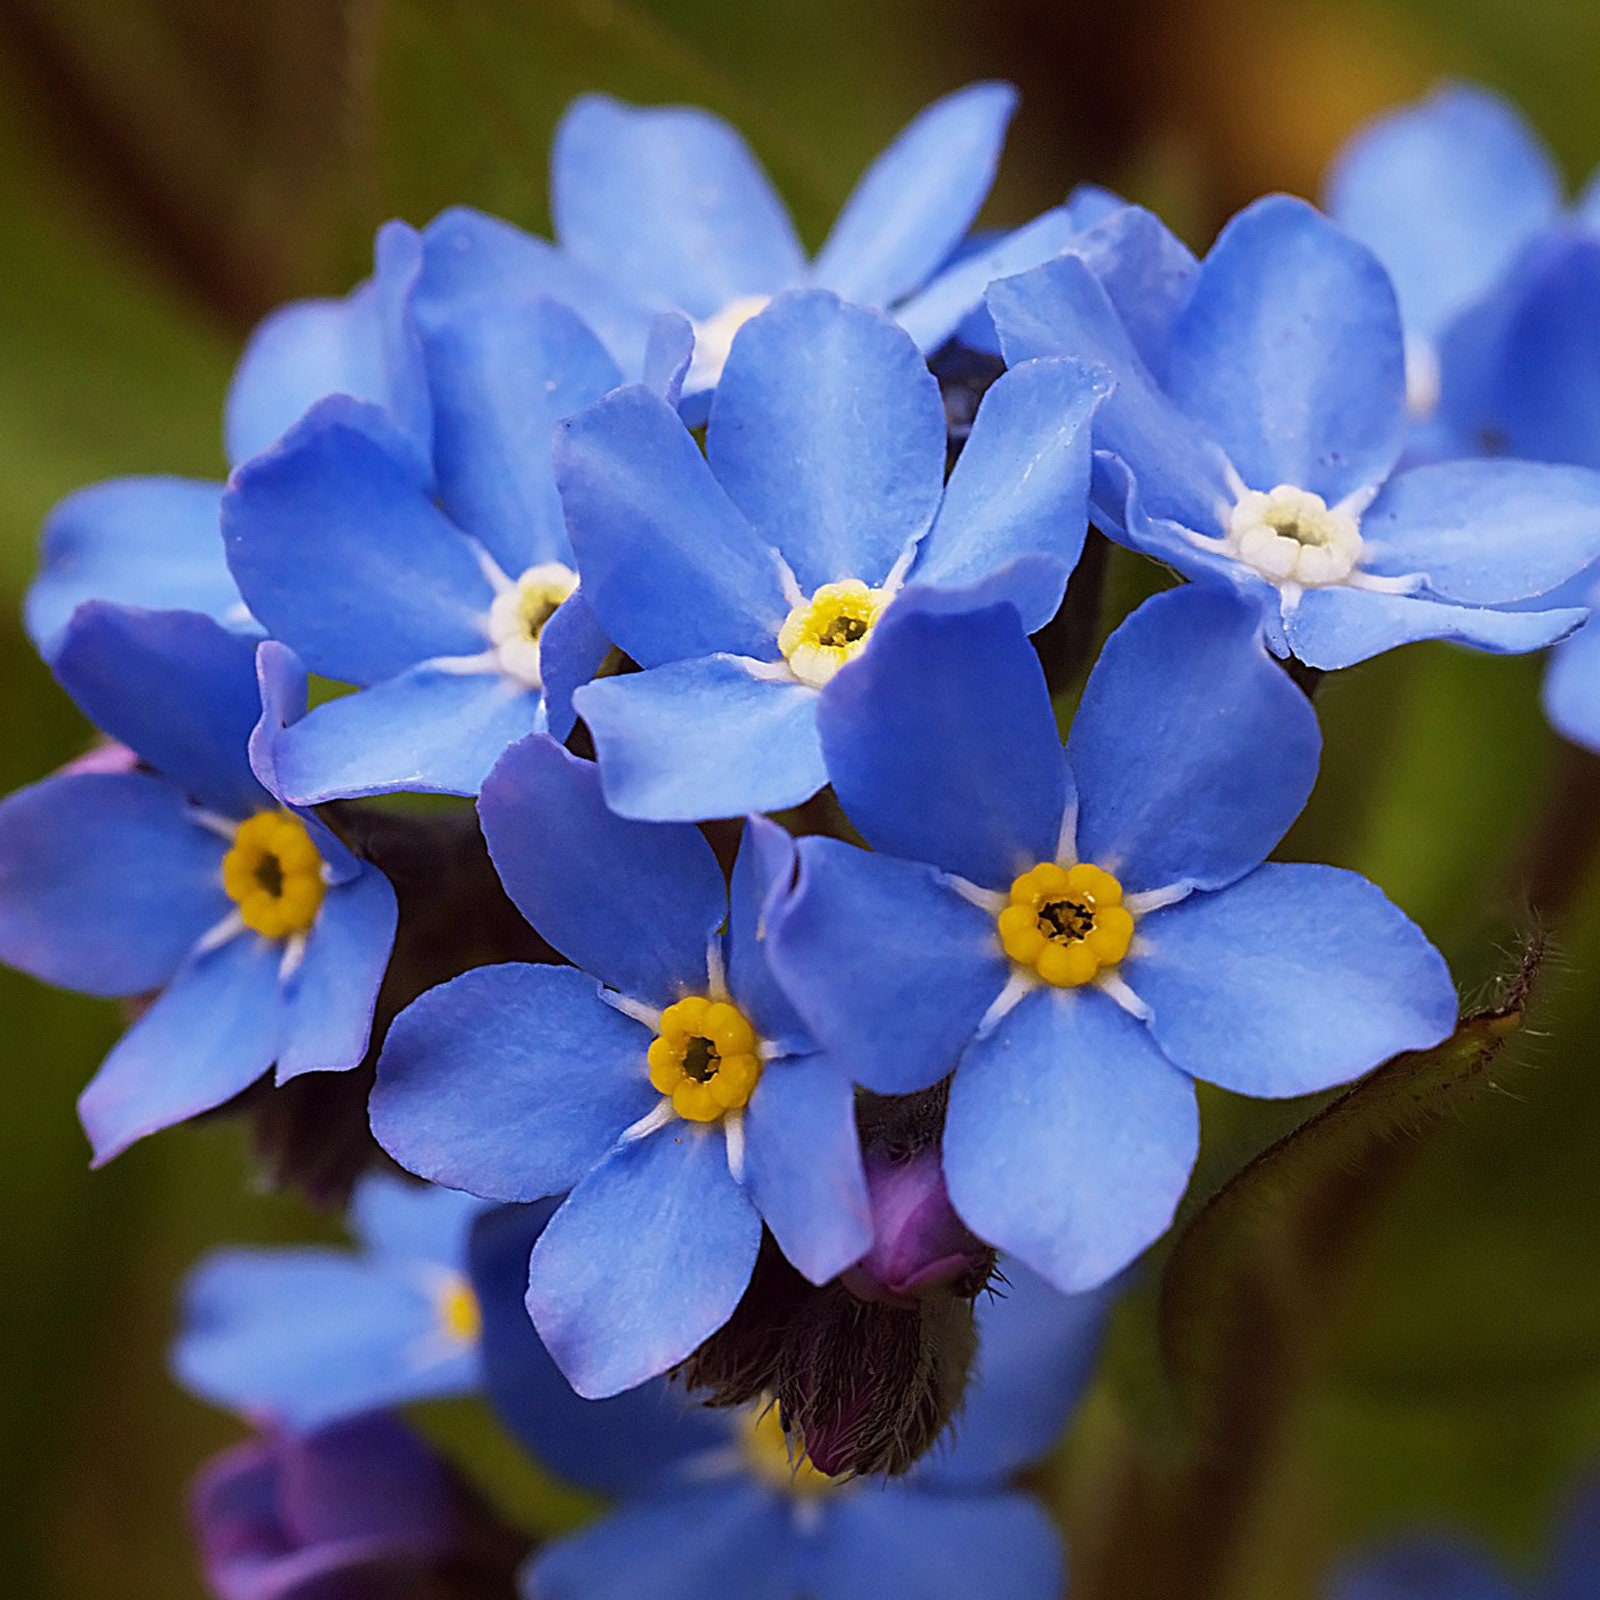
[917,200]
[1292,980]
[699,739]
[668,356]
[1070,1137]
[1572,688]
[407,1221]
[510,1082]
[890,967]
[1291,354]
[828,433]
[1192,751]
[636,904]
[205,1039]
[668,204]
[646,1259]
[1577,1545]
[763,873]
[573,646]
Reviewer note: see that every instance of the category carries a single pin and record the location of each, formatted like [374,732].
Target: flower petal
[803,1164]
[646,1259]
[105,881]
[509,1082]
[763,873]
[942,745]
[917,200]
[1294,979]
[706,738]
[205,1039]
[394,583]
[669,565]
[1291,354]
[412,1222]
[1577,1545]
[1192,750]
[669,204]
[1572,688]
[827,432]
[890,967]
[634,903]
[1070,1137]
[1422,1570]
[573,646]
[503,376]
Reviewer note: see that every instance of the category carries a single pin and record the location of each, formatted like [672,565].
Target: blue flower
[442,588]
[1081,936]
[713,1505]
[265,936]
[301,1338]
[741,580]
[662,1079]
[1263,455]
[157,542]
[664,210]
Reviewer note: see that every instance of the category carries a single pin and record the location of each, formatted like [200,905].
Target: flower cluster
[811,983]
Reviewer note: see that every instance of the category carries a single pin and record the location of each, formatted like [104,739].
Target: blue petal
[1577,1545]
[1036,1354]
[573,646]
[207,1038]
[722,1539]
[503,376]
[803,1164]
[105,882]
[1021,485]
[668,356]
[1062,309]
[646,1259]
[329,1002]
[668,204]
[425,730]
[1294,979]
[1444,192]
[395,582]
[1337,627]
[1486,532]
[669,565]
[890,967]
[1192,750]
[411,1222]
[917,200]
[175,688]
[628,1444]
[509,1082]
[471,259]
[306,1337]
[942,746]
[891,1539]
[636,904]
[1291,353]
[1423,1570]
[763,873]
[706,738]
[828,433]
[1070,1137]
[153,542]
[1571,689]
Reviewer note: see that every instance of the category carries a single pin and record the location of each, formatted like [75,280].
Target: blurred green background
[169,169]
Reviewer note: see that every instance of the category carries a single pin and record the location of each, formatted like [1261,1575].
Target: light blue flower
[299,1338]
[1080,935]
[742,579]
[1263,457]
[266,938]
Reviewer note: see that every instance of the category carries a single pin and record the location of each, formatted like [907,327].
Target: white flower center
[1292,536]
[820,634]
[713,339]
[518,615]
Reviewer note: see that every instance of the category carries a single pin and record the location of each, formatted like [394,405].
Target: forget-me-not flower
[1079,935]
[299,1338]
[662,1078]
[265,936]
[713,1504]
[744,578]
[1264,456]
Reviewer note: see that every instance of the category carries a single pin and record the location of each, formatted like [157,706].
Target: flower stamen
[821,634]
[1292,537]
[705,1058]
[518,615]
[274,875]
[1065,924]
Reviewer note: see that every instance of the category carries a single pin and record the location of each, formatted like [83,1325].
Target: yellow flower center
[820,634]
[273,874]
[518,615]
[460,1317]
[769,1457]
[1065,923]
[705,1058]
